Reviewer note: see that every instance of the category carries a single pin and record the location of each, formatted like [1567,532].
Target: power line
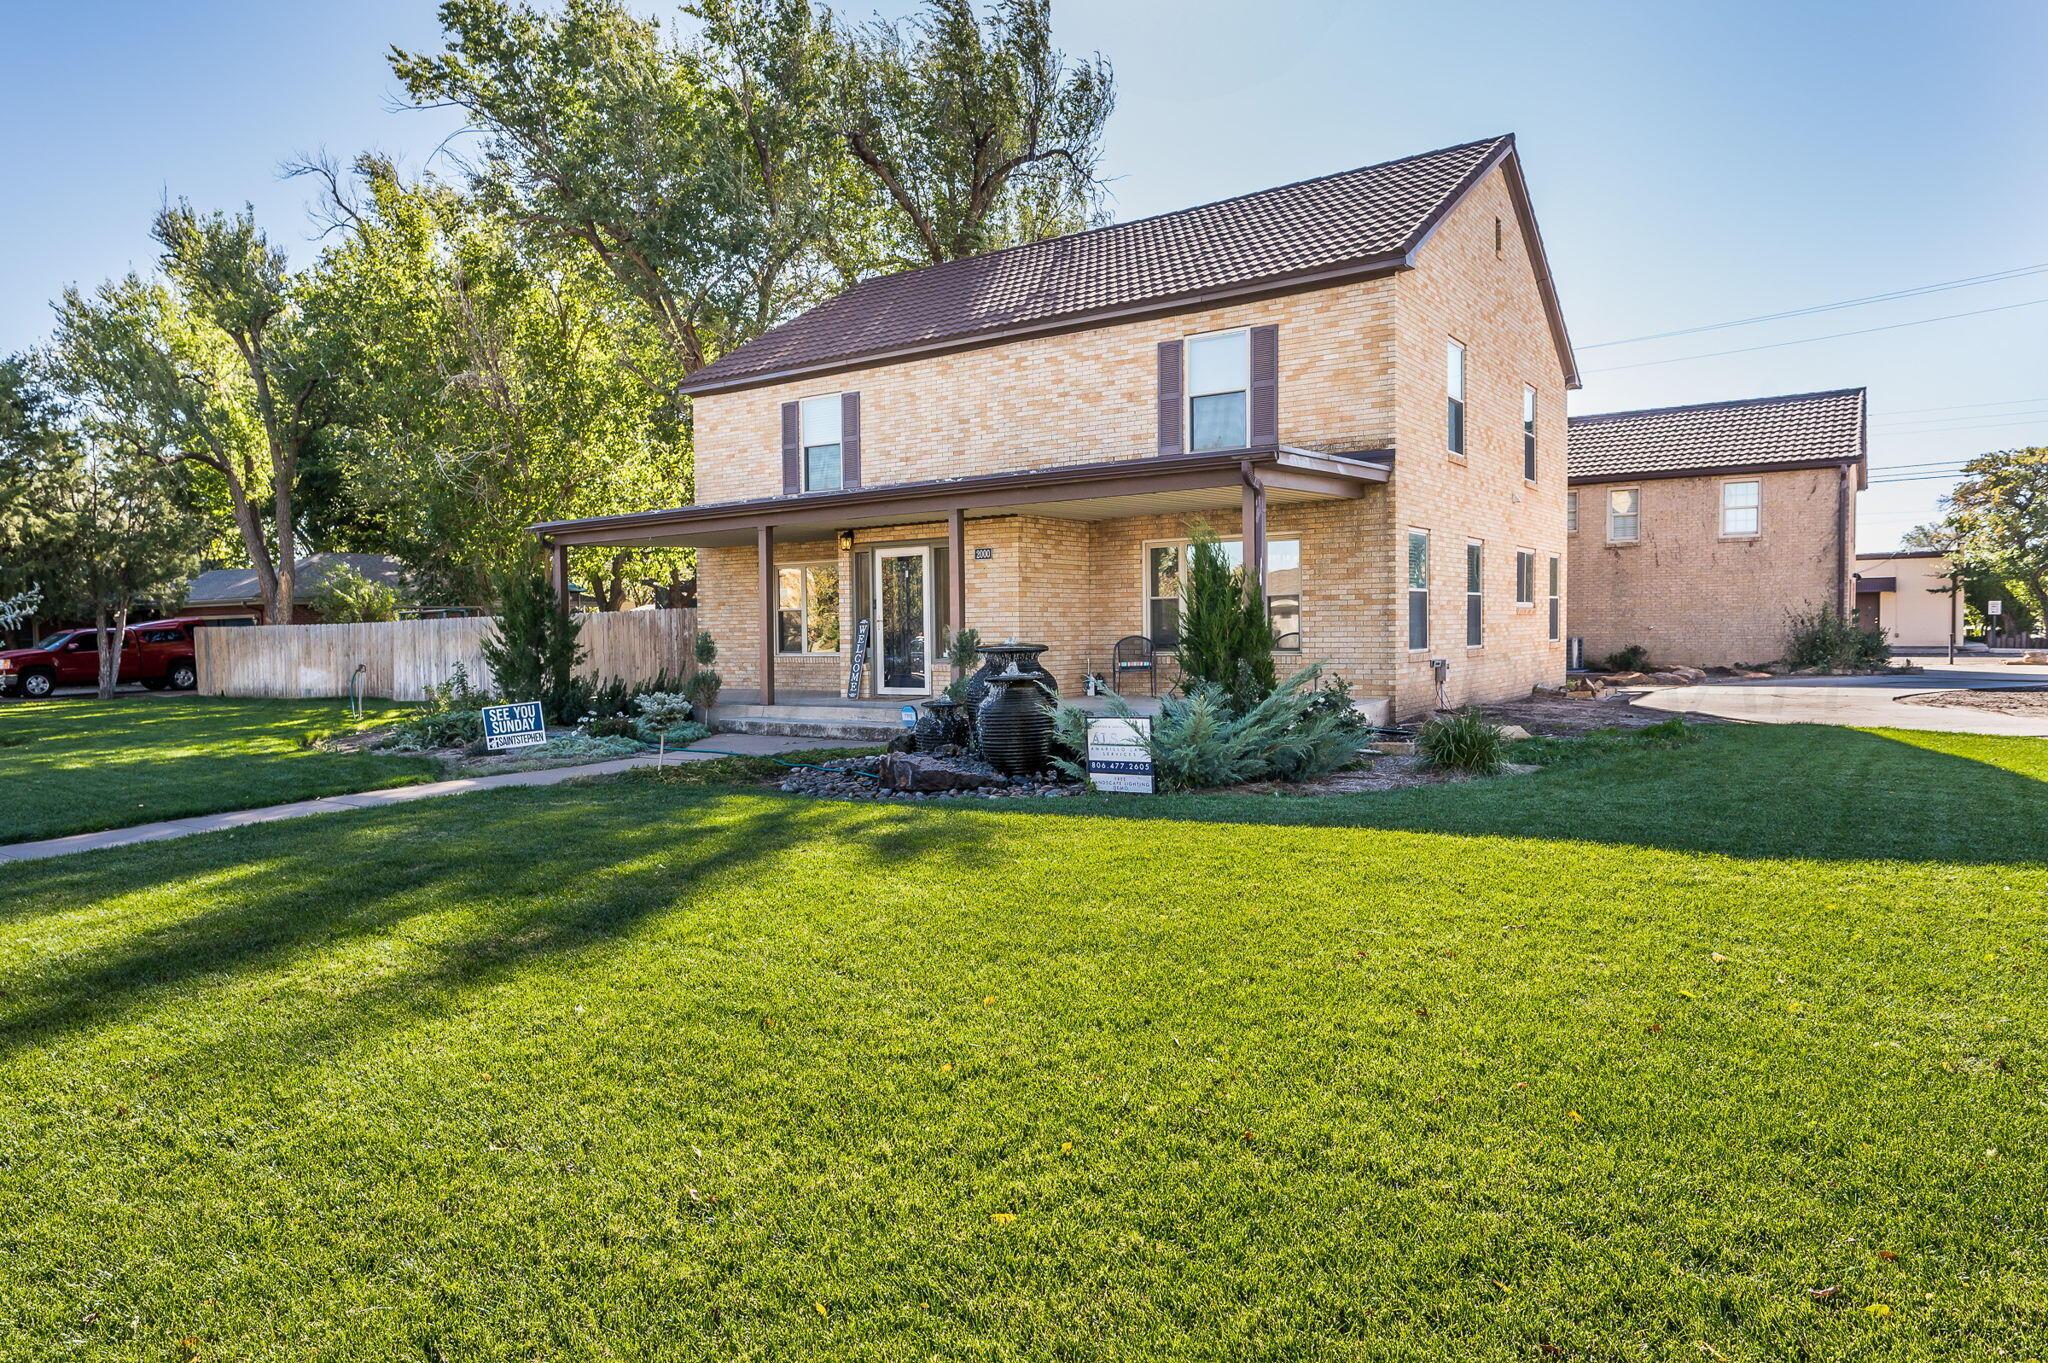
[1980,419]
[1831,336]
[2001,402]
[1973,281]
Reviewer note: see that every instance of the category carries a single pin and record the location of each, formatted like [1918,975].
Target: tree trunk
[252,540]
[286,547]
[110,648]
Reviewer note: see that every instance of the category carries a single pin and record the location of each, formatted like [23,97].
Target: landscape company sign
[1117,757]
[517,725]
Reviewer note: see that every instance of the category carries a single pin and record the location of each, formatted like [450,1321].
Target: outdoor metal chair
[1134,654]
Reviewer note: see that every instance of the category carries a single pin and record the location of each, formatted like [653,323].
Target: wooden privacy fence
[401,659]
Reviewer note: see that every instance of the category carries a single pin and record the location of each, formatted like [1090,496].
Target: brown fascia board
[1710,471]
[1274,286]
[1903,553]
[980,492]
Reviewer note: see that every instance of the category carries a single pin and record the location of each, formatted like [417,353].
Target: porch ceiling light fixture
[846,541]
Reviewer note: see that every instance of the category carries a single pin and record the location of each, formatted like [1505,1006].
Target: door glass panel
[903,641]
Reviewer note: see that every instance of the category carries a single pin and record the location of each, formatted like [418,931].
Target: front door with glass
[903,624]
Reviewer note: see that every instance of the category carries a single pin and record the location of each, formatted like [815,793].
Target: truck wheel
[37,685]
[183,676]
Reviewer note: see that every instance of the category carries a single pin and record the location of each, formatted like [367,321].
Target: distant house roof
[1798,430]
[1348,225]
[237,586]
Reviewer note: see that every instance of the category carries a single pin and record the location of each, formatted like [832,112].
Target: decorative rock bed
[943,775]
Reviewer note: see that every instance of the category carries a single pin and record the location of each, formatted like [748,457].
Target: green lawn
[1624,1060]
[73,766]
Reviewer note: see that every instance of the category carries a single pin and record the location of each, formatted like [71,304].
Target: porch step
[860,724]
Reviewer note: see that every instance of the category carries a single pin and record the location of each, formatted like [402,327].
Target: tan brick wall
[1079,398]
[1690,595]
[1461,289]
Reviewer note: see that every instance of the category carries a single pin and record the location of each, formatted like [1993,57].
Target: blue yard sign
[517,725]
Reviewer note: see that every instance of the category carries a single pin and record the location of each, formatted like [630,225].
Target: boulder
[921,774]
[1513,733]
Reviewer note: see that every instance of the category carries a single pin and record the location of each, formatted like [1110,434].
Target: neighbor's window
[1528,432]
[1166,572]
[1418,590]
[1624,515]
[807,608]
[1475,594]
[1454,396]
[1739,504]
[1219,376]
[1525,577]
[822,469]
[1571,513]
[1556,612]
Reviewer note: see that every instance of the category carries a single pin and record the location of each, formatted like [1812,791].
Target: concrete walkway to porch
[750,745]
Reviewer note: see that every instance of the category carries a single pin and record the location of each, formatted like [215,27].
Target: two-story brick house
[1362,377]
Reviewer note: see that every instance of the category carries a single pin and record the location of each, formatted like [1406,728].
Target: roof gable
[1796,430]
[1349,224]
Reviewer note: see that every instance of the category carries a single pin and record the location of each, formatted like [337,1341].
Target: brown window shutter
[792,453]
[1170,441]
[1265,394]
[849,440]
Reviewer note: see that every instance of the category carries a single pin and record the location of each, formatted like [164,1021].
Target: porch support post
[764,540]
[1254,529]
[956,574]
[558,575]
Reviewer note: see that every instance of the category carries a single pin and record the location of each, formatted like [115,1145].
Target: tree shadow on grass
[1764,791]
[542,873]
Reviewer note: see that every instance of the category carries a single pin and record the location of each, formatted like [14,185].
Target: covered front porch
[850,597]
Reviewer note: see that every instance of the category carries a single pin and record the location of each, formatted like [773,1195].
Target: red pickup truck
[157,653]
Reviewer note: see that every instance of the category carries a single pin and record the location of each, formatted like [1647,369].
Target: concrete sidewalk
[749,745]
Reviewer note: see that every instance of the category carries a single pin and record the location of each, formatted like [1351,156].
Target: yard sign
[857,673]
[1117,757]
[517,725]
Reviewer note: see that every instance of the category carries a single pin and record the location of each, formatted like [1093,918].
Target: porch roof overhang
[1159,485]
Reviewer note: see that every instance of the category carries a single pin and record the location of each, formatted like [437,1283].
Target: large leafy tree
[698,175]
[1997,519]
[211,365]
[488,380]
[977,133]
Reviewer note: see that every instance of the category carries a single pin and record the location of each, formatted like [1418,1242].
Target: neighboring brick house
[1694,530]
[1361,375]
[232,595]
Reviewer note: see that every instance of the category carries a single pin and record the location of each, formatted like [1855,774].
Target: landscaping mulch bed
[2011,700]
[1555,717]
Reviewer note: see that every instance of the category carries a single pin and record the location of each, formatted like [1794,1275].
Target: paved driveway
[1866,702]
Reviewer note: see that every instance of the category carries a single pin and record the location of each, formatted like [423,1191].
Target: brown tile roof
[1356,221]
[1798,430]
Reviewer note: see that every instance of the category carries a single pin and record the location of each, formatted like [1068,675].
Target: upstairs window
[1740,503]
[1454,397]
[1219,378]
[823,469]
[1624,515]
[1571,513]
[1528,432]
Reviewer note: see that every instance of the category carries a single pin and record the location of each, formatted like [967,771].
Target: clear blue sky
[1690,164]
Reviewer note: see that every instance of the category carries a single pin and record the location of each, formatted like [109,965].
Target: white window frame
[1408,575]
[804,443]
[1525,558]
[1187,414]
[1756,508]
[803,609]
[1145,597]
[1556,598]
[1454,346]
[1635,538]
[1529,466]
[1475,594]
